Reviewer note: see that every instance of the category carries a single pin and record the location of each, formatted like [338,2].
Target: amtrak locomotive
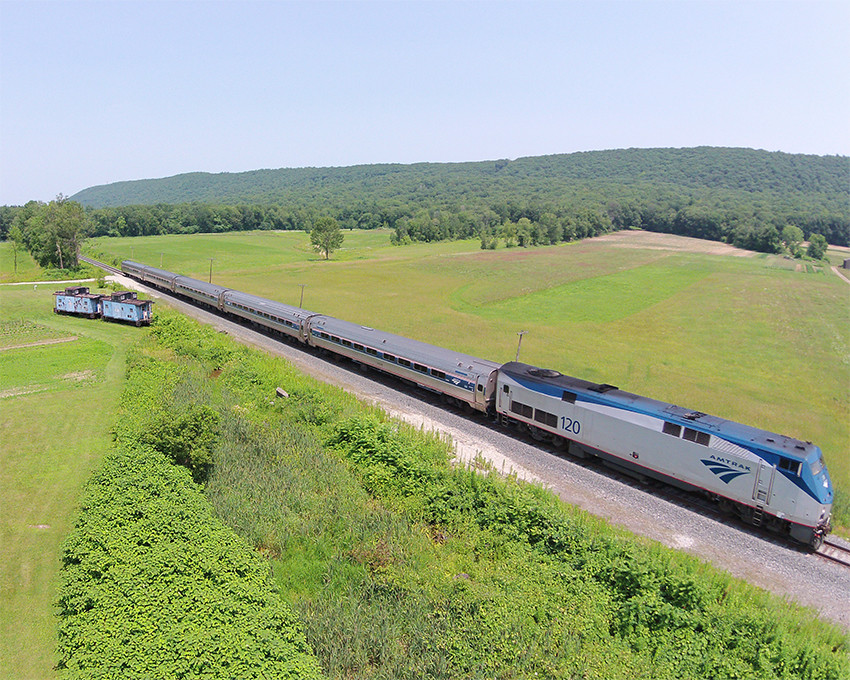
[765,478]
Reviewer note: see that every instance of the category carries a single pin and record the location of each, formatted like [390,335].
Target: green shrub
[154,586]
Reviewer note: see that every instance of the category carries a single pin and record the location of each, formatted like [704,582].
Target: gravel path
[651,509]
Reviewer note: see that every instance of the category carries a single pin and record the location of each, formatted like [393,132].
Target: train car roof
[203,286]
[420,352]
[554,383]
[153,270]
[268,306]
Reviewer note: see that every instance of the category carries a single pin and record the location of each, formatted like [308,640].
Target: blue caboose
[78,301]
[123,306]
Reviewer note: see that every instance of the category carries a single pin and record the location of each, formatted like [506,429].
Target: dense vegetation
[402,565]
[740,196]
[152,583]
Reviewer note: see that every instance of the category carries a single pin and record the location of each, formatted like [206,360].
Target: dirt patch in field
[78,376]
[21,391]
[53,341]
[653,241]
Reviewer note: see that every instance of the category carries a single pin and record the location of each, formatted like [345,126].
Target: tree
[17,238]
[817,247]
[792,237]
[326,236]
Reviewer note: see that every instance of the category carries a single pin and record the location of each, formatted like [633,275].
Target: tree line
[52,232]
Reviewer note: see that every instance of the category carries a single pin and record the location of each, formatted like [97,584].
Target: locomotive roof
[420,352]
[554,383]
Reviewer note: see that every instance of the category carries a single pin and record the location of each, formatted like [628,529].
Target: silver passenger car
[201,291]
[463,378]
[157,277]
[282,318]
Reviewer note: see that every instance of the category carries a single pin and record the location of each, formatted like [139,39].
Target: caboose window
[671,429]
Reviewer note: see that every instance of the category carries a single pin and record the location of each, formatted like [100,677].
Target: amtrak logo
[724,470]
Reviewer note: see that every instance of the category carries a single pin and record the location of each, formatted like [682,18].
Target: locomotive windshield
[817,466]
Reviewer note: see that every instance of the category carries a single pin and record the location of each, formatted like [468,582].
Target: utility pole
[301,304]
[211,261]
[519,343]
[160,260]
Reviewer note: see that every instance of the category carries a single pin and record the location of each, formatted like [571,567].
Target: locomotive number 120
[570,425]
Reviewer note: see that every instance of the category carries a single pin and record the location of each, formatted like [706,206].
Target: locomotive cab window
[793,466]
[569,397]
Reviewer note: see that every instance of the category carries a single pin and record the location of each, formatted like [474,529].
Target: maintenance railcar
[767,478]
[77,300]
[125,306]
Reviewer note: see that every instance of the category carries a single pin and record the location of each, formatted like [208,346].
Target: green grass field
[57,403]
[752,339]
[27,269]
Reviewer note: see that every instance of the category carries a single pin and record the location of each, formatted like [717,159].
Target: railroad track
[102,265]
[835,552]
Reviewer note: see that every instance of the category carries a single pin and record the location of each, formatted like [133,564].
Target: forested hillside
[741,196]
[825,179]
[745,197]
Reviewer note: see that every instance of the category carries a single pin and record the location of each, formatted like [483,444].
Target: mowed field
[751,337]
[60,378]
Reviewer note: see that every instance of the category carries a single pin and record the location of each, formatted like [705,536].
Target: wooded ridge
[537,178]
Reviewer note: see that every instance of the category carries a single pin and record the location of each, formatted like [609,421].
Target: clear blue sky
[98,92]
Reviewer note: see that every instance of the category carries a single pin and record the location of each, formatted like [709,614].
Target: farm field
[750,337]
[60,378]
[27,270]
